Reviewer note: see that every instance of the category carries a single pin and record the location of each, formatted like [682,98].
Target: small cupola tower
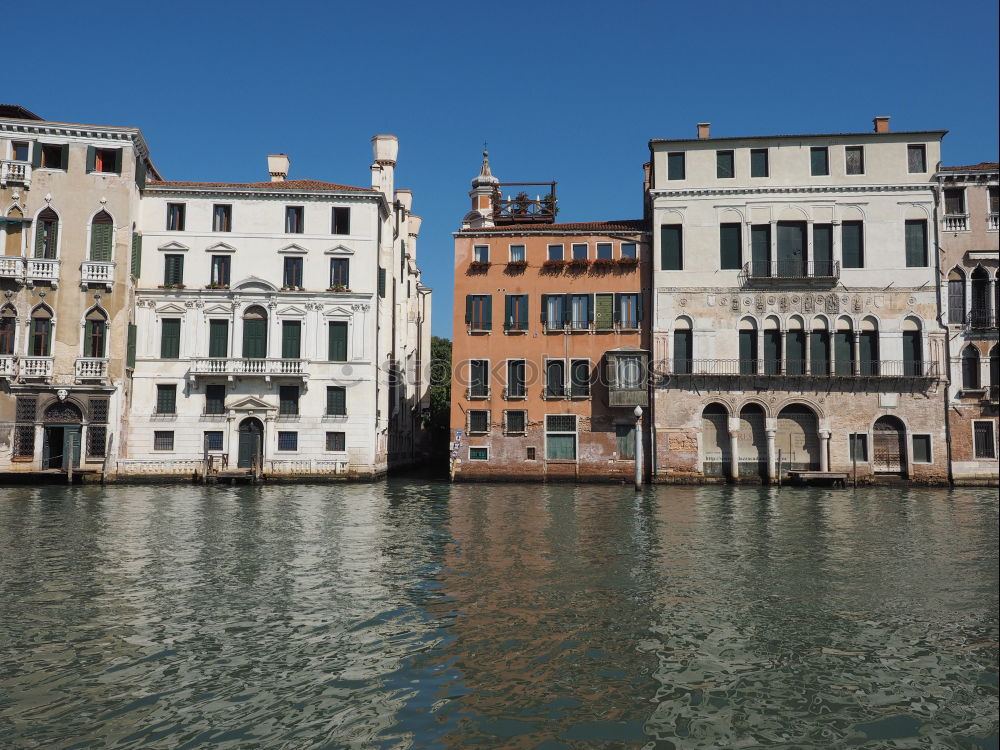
[484,185]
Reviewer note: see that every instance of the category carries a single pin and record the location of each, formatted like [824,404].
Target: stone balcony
[231,367]
[12,267]
[97,272]
[33,368]
[91,368]
[15,173]
[42,269]
[8,366]
[956,222]
[992,222]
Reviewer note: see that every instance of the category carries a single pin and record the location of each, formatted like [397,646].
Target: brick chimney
[881,124]
[277,167]
[703,128]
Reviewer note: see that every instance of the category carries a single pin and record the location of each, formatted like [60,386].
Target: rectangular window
[220,270]
[163,440]
[175,217]
[628,373]
[579,374]
[288,400]
[671,250]
[675,165]
[516,312]
[215,399]
[516,422]
[916,158]
[529,453]
[819,161]
[994,198]
[555,378]
[292,277]
[293,220]
[725,164]
[630,250]
[135,267]
[517,254]
[213,440]
[921,449]
[858,446]
[479,453]
[340,273]
[854,159]
[341,220]
[628,310]
[581,311]
[222,218]
[291,339]
[604,251]
[479,378]
[481,253]
[338,341]
[479,311]
[852,237]
[19,151]
[41,337]
[730,244]
[381,283]
[515,378]
[823,250]
[560,437]
[288,441]
[106,160]
[479,421]
[218,338]
[53,156]
[336,442]
[954,201]
[166,399]
[170,338]
[916,243]
[625,440]
[758,163]
[336,401]
[580,250]
[555,311]
[983,440]
[173,270]
[555,252]
[683,351]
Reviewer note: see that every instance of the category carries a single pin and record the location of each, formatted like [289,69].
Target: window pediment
[254,283]
[173,247]
[293,249]
[292,311]
[218,310]
[220,247]
[252,403]
[170,309]
[339,250]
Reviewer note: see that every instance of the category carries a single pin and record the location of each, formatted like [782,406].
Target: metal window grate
[560,423]
[99,410]
[479,421]
[163,440]
[26,408]
[24,441]
[288,441]
[97,440]
[515,421]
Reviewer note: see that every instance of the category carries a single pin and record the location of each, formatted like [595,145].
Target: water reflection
[426,615]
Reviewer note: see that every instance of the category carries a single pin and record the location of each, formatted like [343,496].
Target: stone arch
[889,445]
[752,440]
[715,455]
[916,212]
[979,298]
[14,235]
[797,437]
[731,215]
[46,234]
[95,333]
[8,330]
[970,358]
[793,212]
[852,213]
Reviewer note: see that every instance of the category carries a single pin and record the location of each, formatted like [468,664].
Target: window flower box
[293,288]
[628,262]
[554,266]
[479,266]
[517,265]
[579,263]
[170,286]
[217,286]
[603,264]
[338,288]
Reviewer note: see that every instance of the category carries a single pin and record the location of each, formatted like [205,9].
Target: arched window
[8,326]
[12,242]
[795,343]
[95,333]
[101,237]
[748,346]
[819,348]
[46,234]
[715,440]
[970,367]
[995,372]
[772,346]
[913,351]
[868,347]
[40,343]
[843,348]
[255,333]
[683,346]
[956,297]
[982,315]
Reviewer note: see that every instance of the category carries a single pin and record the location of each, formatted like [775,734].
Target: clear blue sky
[570,91]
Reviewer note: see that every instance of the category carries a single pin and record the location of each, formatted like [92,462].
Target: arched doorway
[889,454]
[61,444]
[752,442]
[715,441]
[797,437]
[251,443]
[255,333]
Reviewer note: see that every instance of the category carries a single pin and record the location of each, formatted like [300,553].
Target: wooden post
[854,458]
[779,468]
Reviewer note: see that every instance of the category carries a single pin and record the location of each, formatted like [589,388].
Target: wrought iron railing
[981,317]
[520,207]
[791,270]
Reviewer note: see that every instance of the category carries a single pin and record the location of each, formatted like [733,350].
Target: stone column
[783,359]
[824,450]
[807,364]
[856,349]
[734,448]
[771,429]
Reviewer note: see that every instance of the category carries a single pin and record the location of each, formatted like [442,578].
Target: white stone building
[270,317]
[795,306]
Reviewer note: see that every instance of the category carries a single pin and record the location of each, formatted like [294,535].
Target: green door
[791,248]
[254,338]
[251,440]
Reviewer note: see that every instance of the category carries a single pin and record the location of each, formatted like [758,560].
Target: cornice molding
[789,190]
[176,191]
[81,132]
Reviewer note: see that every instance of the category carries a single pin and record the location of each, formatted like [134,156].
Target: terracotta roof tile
[619,225]
[982,166]
[284,186]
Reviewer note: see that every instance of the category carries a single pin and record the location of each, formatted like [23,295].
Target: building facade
[69,203]
[549,345]
[795,318]
[282,327]
[968,211]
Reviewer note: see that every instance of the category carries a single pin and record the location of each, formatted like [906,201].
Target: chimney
[703,128]
[385,148]
[881,124]
[277,167]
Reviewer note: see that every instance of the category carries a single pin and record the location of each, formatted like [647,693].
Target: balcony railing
[956,222]
[35,367]
[97,272]
[91,368]
[803,369]
[981,317]
[477,391]
[249,367]
[15,172]
[992,222]
[42,269]
[11,267]
[515,393]
[518,207]
[8,365]
[777,271]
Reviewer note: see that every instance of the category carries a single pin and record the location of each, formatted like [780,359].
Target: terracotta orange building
[550,347]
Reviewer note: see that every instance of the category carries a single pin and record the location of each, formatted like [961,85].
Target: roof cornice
[553,233]
[938,134]
[76,130]
[790,190]
[261,192]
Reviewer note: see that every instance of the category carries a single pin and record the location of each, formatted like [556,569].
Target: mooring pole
[854,458]
[779,468]
[638,448]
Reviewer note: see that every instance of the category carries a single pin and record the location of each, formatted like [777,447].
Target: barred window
[288,441]
[163,440]
[336,441]
[26,407]
[982,434]
[97,440]
[24,440]
[516,422]
[479,453]
[99,410]
[560,436]
[213,440]
[479,421]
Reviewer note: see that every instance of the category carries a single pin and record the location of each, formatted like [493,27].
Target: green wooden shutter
[760,249]
[851,239]
[819,158]
[604,312]
[255,339]
[170,338]
[522,309]
[675,166]
[487,324]
[130,348]
[916,243]
[136,265]
[118,160]
[638,307]
[218,338]
[545,310]
[843,352]
[64,156]
[291,339]
[729,246]
[91,158]
[748,352]
[819,355]
[88,336]
[822,250]
[338,341]
[381,282]
[868,345]
[46,230]
[140,173]
[100,241]
[796,353]
[508,319]
[911,353]
[671,254]
[791,247]
[682,352]
[772,352]
[336,400]
[36,155]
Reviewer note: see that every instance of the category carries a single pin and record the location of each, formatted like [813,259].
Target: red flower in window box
[603,264]
[628,262]
[479,265]
[554,265]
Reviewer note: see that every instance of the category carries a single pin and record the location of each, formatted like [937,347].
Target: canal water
[423,615]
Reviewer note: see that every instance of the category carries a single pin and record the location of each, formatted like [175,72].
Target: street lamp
[637,412]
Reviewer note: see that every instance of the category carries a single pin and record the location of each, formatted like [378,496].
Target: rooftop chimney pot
[277,167]
[881,124]
[703,129]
